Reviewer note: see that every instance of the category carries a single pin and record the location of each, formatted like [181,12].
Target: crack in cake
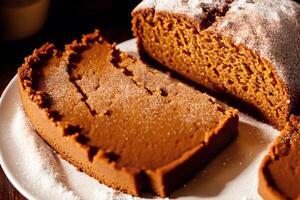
[120,121]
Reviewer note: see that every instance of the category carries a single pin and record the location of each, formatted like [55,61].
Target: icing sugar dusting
[47,181]
[192,8]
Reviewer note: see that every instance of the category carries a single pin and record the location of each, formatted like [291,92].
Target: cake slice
[247,51]
[279,174]
[131,127]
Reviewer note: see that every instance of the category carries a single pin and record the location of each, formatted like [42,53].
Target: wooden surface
[61,28]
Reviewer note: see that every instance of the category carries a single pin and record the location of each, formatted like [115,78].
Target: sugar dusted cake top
[118,119]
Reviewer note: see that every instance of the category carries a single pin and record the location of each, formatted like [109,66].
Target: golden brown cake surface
[120,121]
[245,50]
[279,175]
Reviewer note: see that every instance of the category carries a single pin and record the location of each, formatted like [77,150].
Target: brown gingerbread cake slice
[247,51]
[279,174]
[129,126]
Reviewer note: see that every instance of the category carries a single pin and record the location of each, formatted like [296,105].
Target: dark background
[67,20]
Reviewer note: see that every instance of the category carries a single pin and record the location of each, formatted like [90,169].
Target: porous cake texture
[247,50]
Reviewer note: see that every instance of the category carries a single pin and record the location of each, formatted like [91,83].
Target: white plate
[232,175]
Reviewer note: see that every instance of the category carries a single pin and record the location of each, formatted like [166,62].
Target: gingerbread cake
[279,175]
[245,50]
[120,121]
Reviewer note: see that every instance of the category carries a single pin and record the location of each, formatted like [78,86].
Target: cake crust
[97,107]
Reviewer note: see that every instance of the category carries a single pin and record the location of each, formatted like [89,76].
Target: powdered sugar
[39,162]
[192,8]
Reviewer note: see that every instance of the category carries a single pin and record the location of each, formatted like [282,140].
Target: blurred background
[65,21]
[26,25]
